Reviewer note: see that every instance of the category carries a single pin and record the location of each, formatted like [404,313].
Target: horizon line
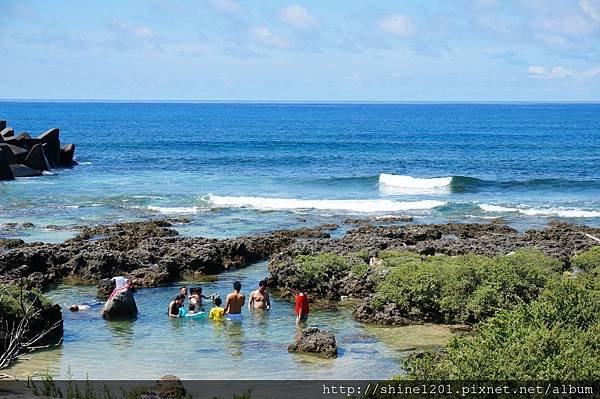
[181,101]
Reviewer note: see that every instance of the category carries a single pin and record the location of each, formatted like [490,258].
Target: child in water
[217,312]
[196,297]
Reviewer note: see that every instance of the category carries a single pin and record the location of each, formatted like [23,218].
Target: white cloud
[537,70]
[591,8]
[397,24]
[264,36]
[143,32]
[227,6]
[127,36]
[297,16]
[357,78]
[558,72]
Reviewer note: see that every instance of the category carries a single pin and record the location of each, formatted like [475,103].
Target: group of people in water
[234,303]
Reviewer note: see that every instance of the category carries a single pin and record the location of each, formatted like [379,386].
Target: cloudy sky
[479,50]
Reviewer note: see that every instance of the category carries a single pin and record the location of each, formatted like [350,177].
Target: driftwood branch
[592,237]
[18,333]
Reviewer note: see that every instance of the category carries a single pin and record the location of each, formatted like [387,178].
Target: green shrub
[462,289]
[556,336]
[10,297]
[588,261]
[315,270]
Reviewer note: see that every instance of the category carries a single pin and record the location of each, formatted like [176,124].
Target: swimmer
[234,303]
[175,305]
[84,306]
[260,298]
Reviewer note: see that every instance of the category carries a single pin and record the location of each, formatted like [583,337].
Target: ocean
[244,168]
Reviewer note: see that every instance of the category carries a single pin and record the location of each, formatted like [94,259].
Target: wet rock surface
[315,341]
[121,306]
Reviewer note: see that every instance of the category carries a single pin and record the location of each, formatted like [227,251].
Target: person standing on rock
[302,308]
[259,299]
[234,303]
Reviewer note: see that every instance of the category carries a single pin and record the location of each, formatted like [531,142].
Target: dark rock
[16,153]
[51,138]
[24,171]
[120,306]
[2,125]
[7,132]
[21,140]
[66,155]
[36,159]
[168,387]
[315,341]
[390,315]
[6,172]
[105,287]
[9,243]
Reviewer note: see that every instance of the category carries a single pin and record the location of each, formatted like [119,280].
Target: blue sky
[480,50]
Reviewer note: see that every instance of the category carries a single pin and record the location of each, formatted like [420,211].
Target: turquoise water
[154,345]
[244,168]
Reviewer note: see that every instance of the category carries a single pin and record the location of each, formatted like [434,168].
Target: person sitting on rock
[217,312]
[175,305]
[302,308]
[259,299]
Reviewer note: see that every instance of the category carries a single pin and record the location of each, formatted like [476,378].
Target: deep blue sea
[252,167]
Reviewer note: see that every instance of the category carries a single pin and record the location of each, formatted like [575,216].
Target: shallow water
[154,345]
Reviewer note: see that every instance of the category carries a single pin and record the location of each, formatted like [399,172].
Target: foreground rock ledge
[315,341]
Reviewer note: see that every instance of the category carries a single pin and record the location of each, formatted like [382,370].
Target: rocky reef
[148,253]
[24,156]
[442,273]
[356,265]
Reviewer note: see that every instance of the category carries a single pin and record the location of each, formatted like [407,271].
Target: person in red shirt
[302,308]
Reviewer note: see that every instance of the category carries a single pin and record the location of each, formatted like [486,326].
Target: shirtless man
[234,303]
[260,297]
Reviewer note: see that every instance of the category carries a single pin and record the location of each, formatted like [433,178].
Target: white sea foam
[561,212]
[176,210]
[360,206]
[406,185]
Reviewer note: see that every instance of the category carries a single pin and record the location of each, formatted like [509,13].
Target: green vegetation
[588,261]
[555,337]
[314,271]
[10,301]
[461,289]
